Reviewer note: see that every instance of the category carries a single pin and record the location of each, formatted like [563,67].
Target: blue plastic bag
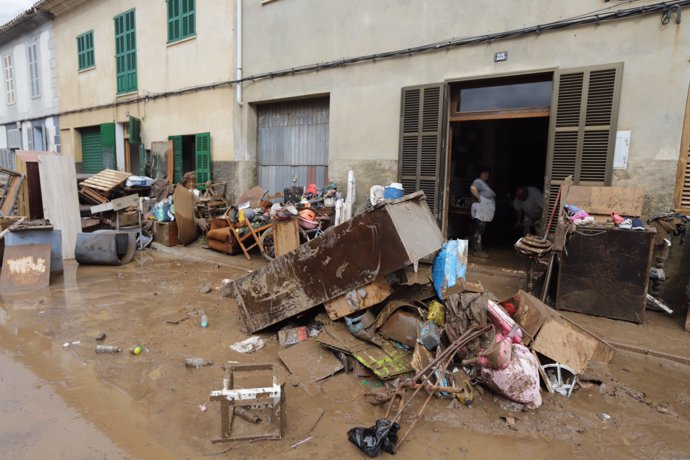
[450,266]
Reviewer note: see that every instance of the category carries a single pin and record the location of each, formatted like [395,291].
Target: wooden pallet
[92,196]
[106,180]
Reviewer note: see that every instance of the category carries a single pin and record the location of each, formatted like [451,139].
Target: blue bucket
[391,193]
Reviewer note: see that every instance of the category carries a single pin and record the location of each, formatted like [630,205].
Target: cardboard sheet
[309,362]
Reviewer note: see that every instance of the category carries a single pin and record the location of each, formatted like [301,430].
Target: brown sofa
[221,238]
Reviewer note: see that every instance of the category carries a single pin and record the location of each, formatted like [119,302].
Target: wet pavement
[147,406]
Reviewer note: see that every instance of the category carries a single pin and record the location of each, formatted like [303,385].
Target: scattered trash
[519,381]
[203,322]
[244,414]
[561,378]
[100,337]
[197,363]
[604,417]
[382,436]
[249,345]
[302,442]
[429,335]
[510,421]
[179,319]
[450,267]
[309,362]
[202,407]
[206,288]
[290,336]
[135,350]
[108,349]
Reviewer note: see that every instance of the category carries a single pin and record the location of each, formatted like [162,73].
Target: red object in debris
[311,188]
[509,307]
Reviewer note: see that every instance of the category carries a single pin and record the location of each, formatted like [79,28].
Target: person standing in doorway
[482,209]
[529,204]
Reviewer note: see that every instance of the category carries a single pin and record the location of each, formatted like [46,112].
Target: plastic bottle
[197,362]
[135,350]
[108,349]
[204,321]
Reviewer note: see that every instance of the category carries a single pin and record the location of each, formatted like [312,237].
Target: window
[506,97]
[181,19]
[85,50]
[33,70]
[8,73]
[125,52]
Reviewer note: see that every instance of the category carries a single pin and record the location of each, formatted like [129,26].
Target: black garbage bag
[383,435]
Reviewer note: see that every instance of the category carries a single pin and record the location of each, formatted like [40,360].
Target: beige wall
[205,59]
[365,98]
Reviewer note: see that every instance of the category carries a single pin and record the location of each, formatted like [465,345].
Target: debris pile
[448,338]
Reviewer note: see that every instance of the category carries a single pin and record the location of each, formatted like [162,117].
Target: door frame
[447,119]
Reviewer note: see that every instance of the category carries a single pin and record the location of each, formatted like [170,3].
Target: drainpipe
[238,53]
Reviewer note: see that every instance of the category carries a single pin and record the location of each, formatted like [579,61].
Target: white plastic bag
[249,345]
[519,381]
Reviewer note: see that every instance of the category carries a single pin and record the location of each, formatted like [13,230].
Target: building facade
[28,99]
[136,74]
[422,92]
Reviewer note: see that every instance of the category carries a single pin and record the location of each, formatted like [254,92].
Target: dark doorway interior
[188,153]
[515,150]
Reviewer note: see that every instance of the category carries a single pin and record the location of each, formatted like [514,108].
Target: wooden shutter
[203,159]
[173,20]
[421,143]
[108,145]
[681,200]
[177,158]
[126,52]
[134,130]
[582,129]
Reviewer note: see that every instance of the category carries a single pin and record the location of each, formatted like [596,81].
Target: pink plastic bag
[519,381]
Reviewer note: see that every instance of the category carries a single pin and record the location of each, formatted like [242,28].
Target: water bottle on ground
[197,363]
[108,349]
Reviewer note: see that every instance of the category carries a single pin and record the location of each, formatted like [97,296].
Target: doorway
[503,125]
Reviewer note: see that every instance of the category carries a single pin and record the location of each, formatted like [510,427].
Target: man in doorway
[482,209]
[529,204]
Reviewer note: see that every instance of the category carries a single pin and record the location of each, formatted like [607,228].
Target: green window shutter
[203,159]
[108,145]
[134,130]
[177,158]
[85,50]
[181,19]
[91,150]
[126,52]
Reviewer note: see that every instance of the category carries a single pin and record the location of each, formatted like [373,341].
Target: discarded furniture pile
[448,338]
[594,226]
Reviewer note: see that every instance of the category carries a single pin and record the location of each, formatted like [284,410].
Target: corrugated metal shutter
[421,143]
[293,142]
[14,138]
[91,150]
[203,159]
[8,159]
[582,130]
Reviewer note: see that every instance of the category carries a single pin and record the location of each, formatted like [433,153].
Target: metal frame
[272,397]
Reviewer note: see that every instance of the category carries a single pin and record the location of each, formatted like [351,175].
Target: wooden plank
[285,236]
[24,191]
[564,339]
[625,201]
[374,293]
[60,198]
[171,162]
[12,193]
[117,204]
[560,341]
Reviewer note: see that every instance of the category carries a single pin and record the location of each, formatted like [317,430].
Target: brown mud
[147,406]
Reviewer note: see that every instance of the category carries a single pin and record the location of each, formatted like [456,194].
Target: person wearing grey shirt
[482,210]
[529,204]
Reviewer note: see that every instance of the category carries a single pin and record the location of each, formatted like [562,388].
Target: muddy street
[60,399]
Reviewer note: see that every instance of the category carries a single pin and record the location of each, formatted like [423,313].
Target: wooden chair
[251,234]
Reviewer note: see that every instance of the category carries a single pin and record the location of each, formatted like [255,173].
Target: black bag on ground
[383,435]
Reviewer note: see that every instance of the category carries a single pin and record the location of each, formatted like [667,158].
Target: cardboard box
[165,233]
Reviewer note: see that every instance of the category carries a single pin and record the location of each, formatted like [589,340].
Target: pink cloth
[519,381]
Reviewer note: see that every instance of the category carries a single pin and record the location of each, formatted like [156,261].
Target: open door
[582,129]
[422,153]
